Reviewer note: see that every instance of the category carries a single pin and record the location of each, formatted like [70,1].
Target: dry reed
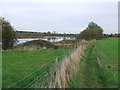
[66,70]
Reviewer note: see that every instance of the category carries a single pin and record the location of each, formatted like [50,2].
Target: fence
[57,76]
[33,77]
[60,75]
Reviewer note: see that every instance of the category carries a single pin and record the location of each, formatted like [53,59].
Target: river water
[47,38]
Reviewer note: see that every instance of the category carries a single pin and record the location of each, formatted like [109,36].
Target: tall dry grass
[66,70]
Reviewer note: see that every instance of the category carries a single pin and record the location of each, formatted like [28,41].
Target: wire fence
[60,74]
[39,75]
[43,79]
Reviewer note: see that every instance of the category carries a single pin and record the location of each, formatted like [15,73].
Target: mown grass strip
[93,75]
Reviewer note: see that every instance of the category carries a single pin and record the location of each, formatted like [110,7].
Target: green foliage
[93,31]
[8,34]
[98,75]
[20,63]
[109,47]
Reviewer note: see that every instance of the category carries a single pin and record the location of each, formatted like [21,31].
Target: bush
[8,34]
[93,31]
[37,44]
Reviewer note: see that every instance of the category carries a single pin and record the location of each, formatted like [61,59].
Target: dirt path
[89,78]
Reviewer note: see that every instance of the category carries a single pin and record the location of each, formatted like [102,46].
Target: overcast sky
[69,16]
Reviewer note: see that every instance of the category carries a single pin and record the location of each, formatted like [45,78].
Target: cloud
[60,17]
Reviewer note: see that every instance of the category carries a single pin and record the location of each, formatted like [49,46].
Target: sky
[61,16]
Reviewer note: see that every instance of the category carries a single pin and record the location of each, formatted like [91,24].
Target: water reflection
[47,38]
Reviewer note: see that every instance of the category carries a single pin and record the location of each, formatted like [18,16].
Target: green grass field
[109,47]
[96,68]
[18,63]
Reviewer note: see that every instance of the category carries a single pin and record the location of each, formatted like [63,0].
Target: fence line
[62,72]
[27,76]
[44,73]
[36,79]
[43,66]
[44,77]
[62,66]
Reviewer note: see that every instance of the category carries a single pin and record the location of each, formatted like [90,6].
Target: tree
[48,32]
[93,31]
[8,35]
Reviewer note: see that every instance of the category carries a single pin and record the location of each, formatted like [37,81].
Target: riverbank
[47,38]
[43,44]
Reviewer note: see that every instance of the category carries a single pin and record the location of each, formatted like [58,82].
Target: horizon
[57,32]
[63,16]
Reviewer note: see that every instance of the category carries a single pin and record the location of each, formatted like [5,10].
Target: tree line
[9,35]
[41,34]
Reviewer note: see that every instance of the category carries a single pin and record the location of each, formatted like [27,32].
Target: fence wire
[16,84]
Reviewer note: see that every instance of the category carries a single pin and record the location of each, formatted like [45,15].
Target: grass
[109,47]
[92,74]
[19,63]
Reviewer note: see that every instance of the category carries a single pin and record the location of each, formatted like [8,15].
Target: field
[99,67]
[109,47]
[18,63]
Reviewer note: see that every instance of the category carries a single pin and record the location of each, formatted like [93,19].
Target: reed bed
[65,71]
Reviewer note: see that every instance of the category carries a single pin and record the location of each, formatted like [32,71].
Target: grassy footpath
[18,63]
[96,70]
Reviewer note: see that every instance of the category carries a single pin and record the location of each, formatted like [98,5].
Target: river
[47,38]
